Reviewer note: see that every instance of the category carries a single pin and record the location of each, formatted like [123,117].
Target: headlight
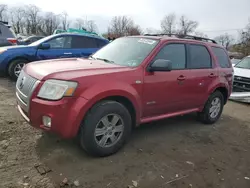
[56,89]
[2,50]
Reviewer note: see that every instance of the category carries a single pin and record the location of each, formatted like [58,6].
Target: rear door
[83,46]
[60,47]
[200,76]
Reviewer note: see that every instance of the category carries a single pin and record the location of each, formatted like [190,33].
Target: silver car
[7,36]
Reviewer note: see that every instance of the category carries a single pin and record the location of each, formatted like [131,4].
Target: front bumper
[65,114]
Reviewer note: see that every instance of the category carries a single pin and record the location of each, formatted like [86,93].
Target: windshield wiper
[105,60]
[91,56]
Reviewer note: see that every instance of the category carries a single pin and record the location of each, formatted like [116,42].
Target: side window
[199,57]
[222,57]
[176,53]
[100,43]
[83,42]
[60,42]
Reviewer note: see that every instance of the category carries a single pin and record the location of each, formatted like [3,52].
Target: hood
[242,72]
[70,68]
[14,47]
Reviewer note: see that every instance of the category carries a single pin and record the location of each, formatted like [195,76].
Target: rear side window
[176,53]
[100,43]
[221,56]
[199,57]
[83,42]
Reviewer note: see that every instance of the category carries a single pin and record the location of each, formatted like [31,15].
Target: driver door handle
[67,53]
[181,78]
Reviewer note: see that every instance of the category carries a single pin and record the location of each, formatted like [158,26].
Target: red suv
[132,80]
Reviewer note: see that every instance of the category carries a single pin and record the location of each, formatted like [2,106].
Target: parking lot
[178,152]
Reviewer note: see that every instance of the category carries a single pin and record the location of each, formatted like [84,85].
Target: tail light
[12,40]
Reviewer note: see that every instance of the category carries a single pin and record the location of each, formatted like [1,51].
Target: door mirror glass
[44,46]
[161,65]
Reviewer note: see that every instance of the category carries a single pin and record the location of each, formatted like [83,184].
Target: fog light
[47,121]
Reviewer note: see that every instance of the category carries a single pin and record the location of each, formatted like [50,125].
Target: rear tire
[212,109]
[105,129]
[15,67]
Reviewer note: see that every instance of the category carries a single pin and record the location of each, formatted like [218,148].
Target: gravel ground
[178,152]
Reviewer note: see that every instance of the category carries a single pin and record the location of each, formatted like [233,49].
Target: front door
[167,92]
[60,47]
[201,75]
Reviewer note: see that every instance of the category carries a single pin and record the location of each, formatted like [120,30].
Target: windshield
[36,43]
[244,64]
[234,61]
[127,51]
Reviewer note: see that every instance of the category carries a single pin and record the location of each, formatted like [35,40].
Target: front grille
[241,84]
[24,85]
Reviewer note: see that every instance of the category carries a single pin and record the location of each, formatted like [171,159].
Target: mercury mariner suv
[131,81]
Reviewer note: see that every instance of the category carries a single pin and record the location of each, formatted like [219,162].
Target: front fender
[96,93]
[11,55]
[101,91]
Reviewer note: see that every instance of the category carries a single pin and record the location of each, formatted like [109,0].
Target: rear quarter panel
[224,75]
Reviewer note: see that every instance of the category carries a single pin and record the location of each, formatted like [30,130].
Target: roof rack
[6,23]
[184,37]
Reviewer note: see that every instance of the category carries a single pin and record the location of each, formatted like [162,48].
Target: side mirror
[160,65]
[44,46]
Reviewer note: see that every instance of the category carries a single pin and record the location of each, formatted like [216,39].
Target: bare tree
[186,26]
[33,20]
[3,10]
[91,26]
[17,19]
[244,46]
[200,34]
[80,23]
[168,23]
[122,26]
[65,21]
[134,30]
[225,40]
[49,23]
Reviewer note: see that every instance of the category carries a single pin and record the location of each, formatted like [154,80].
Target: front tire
[15,68]
[212,109]
[105,129]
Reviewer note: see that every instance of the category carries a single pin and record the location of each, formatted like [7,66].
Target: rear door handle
[67,53]
[181,78]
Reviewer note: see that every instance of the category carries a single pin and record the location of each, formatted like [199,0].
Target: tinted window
[100,43]
[60,42]
[176,53]
[199,57]
[83,42]
[221,56]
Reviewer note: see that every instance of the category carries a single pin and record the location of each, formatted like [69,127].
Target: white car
[241,82]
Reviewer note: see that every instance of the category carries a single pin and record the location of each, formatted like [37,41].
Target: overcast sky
[214,16]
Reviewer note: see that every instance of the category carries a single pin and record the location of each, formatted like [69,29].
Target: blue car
[66,45]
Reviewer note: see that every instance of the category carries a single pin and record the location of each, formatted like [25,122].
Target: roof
[195,39]
[82,34]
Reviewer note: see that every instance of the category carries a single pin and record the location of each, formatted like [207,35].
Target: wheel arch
[14,59]
[123,99]
[224,92]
